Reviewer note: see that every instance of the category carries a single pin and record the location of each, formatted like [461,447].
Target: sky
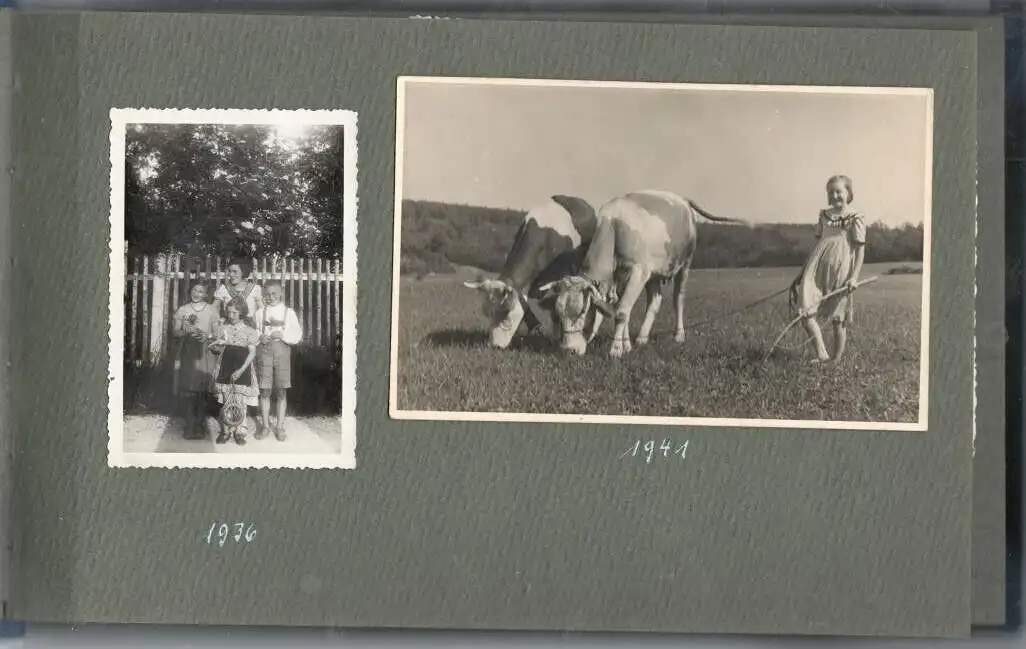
[761,156]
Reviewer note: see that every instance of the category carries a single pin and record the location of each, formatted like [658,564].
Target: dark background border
[406,537]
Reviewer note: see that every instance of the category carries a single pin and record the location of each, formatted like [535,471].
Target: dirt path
[162,434]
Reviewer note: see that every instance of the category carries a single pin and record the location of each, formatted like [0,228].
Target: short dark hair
[244,265]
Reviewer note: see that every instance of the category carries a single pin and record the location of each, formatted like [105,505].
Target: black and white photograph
[661,253]
[233,288]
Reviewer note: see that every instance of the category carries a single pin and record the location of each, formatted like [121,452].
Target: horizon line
[521,210]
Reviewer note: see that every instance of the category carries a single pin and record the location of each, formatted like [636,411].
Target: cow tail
[717,219]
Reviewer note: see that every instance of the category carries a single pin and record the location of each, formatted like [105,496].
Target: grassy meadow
[445,364]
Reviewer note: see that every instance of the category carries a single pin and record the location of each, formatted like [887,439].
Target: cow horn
[545,288]
[474,285]
[600,303]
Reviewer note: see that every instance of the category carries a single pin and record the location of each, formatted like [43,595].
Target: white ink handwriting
[650,449]
[221,533]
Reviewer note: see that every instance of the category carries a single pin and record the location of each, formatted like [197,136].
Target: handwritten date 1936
[651,449]
[219,534]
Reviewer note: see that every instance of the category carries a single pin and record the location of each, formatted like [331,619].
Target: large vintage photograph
[233,288]
[682,254]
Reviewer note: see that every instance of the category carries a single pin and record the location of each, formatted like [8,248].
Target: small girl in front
[834,263]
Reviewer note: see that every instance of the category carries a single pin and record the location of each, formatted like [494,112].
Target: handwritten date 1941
[221,533]
[649,449]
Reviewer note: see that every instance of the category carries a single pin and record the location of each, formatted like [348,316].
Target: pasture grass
[444,363]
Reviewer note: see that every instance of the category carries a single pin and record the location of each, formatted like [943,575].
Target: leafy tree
[233,189]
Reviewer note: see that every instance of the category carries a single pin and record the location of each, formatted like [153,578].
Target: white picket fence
[155,286]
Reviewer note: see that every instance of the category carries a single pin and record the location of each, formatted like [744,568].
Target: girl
[235,373]
[239,285]
[195,325]
[835,263]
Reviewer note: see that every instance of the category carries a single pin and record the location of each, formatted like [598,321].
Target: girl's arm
[249,358]
[245,365]
[178,330]
[860,255]
[858,241]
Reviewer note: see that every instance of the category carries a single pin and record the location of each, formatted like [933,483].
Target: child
[835,263]
[195,324]
[279,330]
[235,375]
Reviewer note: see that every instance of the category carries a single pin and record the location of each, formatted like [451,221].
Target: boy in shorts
[279,330]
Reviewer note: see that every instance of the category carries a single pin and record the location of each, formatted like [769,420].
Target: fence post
[158,312]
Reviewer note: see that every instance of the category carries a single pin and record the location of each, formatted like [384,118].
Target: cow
[643,239]
[548,245]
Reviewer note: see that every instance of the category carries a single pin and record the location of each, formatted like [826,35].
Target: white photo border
[116,455]
[921,425]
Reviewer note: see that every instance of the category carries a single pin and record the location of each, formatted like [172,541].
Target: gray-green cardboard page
[692,482]
[989,538]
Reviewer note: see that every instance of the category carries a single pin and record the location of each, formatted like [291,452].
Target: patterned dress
[238,340]
[196,369]
[829,266]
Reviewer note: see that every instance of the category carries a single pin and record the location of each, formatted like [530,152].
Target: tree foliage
[233,190]
[438,236]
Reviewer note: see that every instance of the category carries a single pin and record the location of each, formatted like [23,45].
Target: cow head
[501,304]
[577,303]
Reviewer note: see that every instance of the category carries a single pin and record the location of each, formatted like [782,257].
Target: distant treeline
[438,236]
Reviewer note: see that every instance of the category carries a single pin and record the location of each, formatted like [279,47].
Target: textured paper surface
[470,525]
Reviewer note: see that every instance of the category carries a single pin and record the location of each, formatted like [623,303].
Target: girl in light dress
[195,325]
[834,263]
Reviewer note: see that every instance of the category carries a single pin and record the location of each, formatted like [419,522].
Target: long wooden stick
[802,316]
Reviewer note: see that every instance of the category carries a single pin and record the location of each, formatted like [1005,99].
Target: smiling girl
[834,263]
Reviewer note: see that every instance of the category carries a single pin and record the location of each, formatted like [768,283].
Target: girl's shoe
[261,431]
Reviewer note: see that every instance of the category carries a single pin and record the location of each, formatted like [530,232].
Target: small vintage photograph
[661,253]
[233,288]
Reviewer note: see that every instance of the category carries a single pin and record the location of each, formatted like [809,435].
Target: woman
[239,285]
[235,375]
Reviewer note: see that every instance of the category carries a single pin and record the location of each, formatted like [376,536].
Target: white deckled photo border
[397,413]
[116,456]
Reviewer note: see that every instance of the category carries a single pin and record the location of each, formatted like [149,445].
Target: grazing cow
[548,246]
[643,239]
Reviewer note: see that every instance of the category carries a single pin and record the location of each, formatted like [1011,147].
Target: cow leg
[679,288]
[655,300]
[636,281]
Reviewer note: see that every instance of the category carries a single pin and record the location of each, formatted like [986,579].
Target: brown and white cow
[548,246]
[643,239]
